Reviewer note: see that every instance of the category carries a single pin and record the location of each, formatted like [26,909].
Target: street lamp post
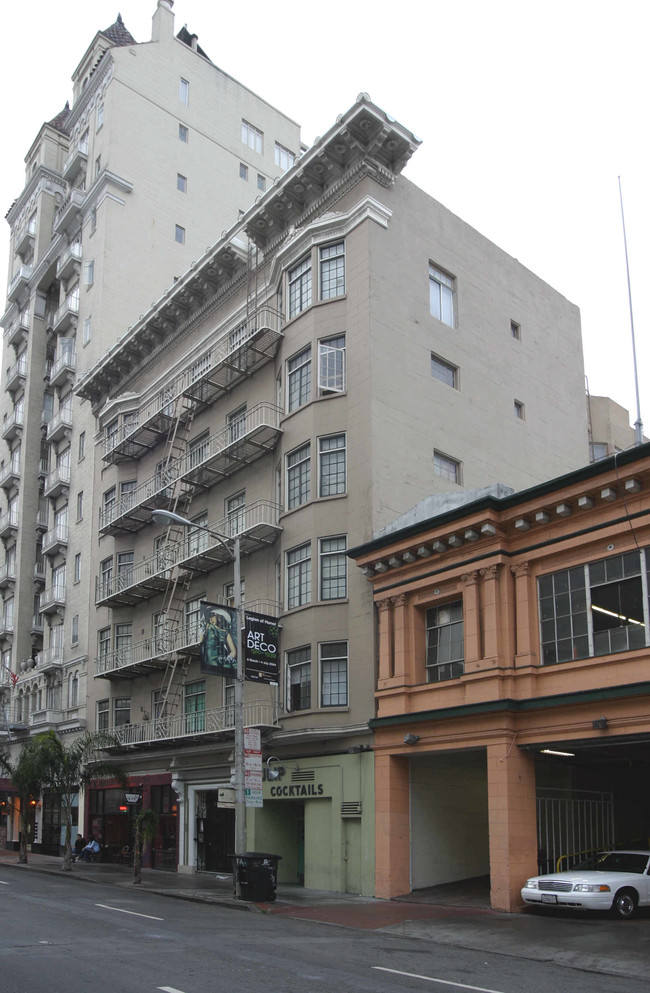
[232,547]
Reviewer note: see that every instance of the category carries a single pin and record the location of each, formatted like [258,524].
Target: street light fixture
[231,544]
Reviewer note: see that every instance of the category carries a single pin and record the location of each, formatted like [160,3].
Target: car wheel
[625,904]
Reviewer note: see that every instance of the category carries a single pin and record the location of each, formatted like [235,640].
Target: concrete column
[384,608]
[392,826]
[524,615]
[471,617]
[490,612]
[512,818]
[400,629]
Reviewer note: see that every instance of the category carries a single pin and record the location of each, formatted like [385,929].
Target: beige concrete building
[159,152]
[345,348]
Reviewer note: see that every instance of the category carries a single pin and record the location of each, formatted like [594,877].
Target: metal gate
[571,824]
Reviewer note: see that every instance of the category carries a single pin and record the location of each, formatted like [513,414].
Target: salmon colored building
[512,728]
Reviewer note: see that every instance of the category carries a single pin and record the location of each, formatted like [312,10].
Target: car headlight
[591,888]
[531,884]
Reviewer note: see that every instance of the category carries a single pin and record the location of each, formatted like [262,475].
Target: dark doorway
[216,835]
[51,825]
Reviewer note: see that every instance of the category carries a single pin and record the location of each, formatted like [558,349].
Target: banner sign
[218,640]
[261,651]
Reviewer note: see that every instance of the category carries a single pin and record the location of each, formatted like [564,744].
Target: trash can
[257,874]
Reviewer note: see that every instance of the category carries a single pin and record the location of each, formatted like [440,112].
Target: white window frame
[299,287]
[252,137]
[324,667]
[444,371]
[332,568]
[299,379]
[298,576]
[442,295]
[447,467]
[298,476]
[331,270]
[184,91]
[283,157]
[179,234]
[298,660]
[331,364]
[181,182]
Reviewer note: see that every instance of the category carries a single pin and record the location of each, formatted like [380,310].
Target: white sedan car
[616,881]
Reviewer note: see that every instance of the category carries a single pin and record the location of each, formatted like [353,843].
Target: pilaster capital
[521,569]
[399,601]
[489,572]
[470,578]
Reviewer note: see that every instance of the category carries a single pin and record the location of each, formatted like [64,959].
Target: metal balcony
[57,482]
[49,659]
[68,212]
[13,425]
[55,540]
[239,352]
[16,374]
[144,657]
[220,720]
[19,282]
[69,261]
[7,575]
[6,627]
[59,426]
[63,367]
[25,238]
[76,160]
[10,475]
[66,314]
[52,600]
[219,456]
[42,516]
[37,625]
[39,573]
[257,526]
[9,524]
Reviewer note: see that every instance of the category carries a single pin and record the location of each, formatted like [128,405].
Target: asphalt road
[69,936]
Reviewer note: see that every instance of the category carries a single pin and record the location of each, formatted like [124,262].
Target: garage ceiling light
[551,751]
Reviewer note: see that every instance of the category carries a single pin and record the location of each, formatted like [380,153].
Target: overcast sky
[528,112]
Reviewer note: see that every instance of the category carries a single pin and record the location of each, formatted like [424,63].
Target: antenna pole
[638,424]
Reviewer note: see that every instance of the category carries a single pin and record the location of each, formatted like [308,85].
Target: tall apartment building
[345,348]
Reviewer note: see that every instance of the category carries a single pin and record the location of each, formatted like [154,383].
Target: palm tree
[146,825]
[67,768]
[28,774]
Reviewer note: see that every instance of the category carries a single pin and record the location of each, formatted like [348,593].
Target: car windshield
[616,862]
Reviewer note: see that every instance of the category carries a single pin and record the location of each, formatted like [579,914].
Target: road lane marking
[2,883]
[168,989]
[432,979]
[132,912]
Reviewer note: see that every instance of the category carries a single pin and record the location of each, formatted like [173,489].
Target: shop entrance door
[51,840]
[218,835]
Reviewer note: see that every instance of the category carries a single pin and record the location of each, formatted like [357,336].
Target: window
[184,91]
[195,707]
[334,674]
[283,157]
[106,576]
[82,445]
[299,379]
[300,287]
[299,679]
[123,639]
[441,295]
[74,633]
[179,234]
[235,514]
[598,450]
[444,371]
[520,412]
[77,567]
[193,619]
[332,270]
[103,715]
[594,609]
[89,272]
[181,183]
[98,166]
[446,467]
[183,133]
[261,182]
[93,220]
[73,689]
[198,451]
[298,476]
[80,506]
[125,562]
[243,171]
[103,643]
[127,494]
[515,330]
[445,643]
[121,711]
[100,116]
[58,581]
[299,576]
[236,422]
[229,592]
[87,329]
[197,540]
[331,364]
[333,568]
[252,137]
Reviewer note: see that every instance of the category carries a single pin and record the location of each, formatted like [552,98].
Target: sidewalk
[581,941]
